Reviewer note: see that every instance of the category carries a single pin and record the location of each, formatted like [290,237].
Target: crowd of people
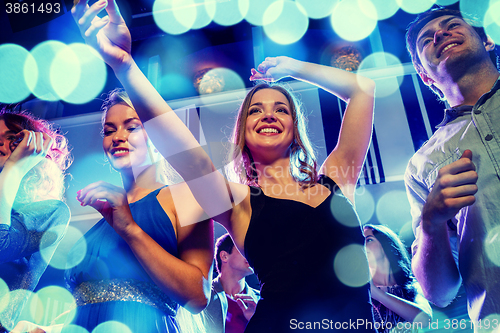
[147,262]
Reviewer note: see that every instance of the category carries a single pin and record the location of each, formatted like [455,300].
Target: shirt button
[477,111]
[488,137]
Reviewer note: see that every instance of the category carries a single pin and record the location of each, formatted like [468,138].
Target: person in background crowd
[33,218]
[396,295]
[233,301]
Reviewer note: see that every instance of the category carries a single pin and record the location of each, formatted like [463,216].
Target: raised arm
[111,38]
[344,163]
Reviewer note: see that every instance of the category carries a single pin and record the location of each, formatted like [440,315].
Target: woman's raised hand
[274,68]
[28,150]
[108,35]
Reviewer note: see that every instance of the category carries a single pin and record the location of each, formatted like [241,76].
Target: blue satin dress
[111,285]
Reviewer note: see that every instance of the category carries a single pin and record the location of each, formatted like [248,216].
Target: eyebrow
[275,103]
[9,132]
[429,32]
[125,122]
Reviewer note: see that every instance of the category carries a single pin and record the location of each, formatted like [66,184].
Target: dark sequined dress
[21,263]
[110,284]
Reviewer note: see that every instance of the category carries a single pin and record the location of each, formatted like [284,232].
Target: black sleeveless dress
[293,249]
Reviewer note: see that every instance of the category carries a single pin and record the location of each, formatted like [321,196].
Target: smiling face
[269,124]
[446,44]
[6,138]
[124,140]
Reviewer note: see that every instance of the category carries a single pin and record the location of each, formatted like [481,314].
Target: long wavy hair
[398,257]
[303,164]
[165,173]
[46,179]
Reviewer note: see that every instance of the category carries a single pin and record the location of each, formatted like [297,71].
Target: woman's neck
[277,172]
[139,185]
[384,279]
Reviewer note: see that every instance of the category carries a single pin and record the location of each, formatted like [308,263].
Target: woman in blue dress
[141,263]
[33,163]
[282,213]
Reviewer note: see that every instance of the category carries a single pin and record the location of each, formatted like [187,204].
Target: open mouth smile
[268,130]
[446,48]
[119,152]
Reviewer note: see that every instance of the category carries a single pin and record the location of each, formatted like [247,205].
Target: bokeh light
[73,329]
[16,297]
[185,12]
[385,8]
[318,9]
[205,11]
[492,245]
[492,22]
[174,86]
[40,84]
[477,9]
[256,11]
[393,209]
[65,72]
[220,79]
[112,327]
[175,17]
[416,7]
[354,20]
[343,211]
[231,12]
[81,61]
[489,324]
[391,81]
[59,259]
[42,304]
[285,22]
[13,59]
[439,320]
[4,295]
[365,205]
[445,2]
[351,267]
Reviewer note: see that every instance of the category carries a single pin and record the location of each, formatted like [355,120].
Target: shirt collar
[453,113]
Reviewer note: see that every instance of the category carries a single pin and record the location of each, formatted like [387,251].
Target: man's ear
[223,256]
[489,44]
[425,78]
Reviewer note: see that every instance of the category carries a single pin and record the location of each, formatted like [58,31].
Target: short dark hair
[424,18]
[223,243]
